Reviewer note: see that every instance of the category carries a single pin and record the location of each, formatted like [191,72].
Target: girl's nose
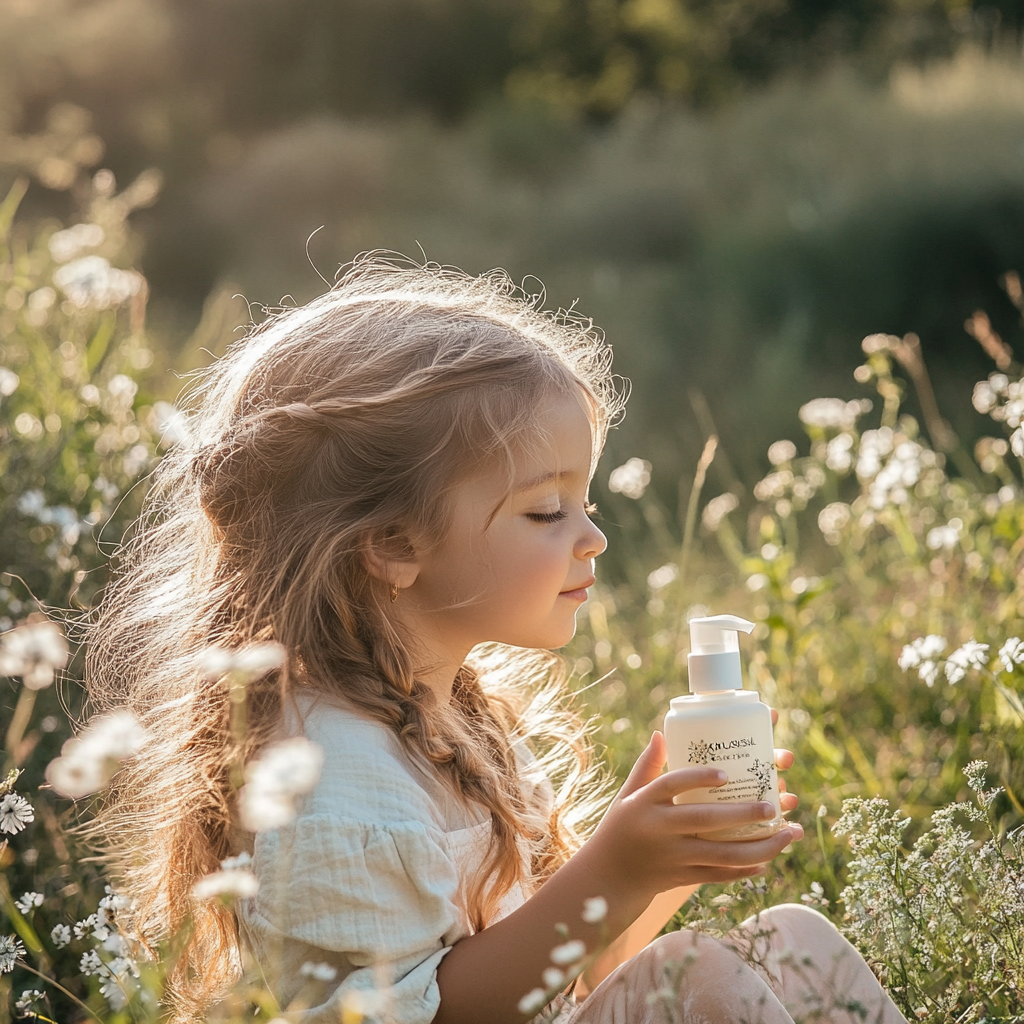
[591,543]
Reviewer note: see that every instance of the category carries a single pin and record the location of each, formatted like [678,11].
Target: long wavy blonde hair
[335,425]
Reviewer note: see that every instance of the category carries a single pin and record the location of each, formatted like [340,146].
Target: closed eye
[547,517]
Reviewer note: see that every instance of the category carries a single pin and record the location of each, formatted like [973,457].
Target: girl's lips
[580,593]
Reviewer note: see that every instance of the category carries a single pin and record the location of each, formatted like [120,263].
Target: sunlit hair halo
[333,426]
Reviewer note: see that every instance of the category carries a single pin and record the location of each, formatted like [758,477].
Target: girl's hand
[645,843]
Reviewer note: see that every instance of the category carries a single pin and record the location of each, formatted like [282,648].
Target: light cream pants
[804,971]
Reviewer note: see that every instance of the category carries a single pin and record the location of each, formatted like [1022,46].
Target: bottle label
[747,757]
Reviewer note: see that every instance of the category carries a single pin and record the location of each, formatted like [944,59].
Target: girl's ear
[391,559]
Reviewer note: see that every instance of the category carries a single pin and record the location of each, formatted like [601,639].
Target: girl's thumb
[648,766]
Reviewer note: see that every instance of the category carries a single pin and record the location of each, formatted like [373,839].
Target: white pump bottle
[721,724]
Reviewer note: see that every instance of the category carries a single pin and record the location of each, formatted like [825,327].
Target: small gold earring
[394,592]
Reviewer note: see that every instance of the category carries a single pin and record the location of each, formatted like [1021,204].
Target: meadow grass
[879,558]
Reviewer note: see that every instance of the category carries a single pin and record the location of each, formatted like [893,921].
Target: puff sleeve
[367,880]
[375,901]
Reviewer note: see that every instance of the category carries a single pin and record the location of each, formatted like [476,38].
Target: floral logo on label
[699,752]
[762,771]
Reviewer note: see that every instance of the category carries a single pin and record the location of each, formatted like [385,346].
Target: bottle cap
[714,659]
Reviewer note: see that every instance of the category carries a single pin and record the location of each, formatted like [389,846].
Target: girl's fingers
[710,875]
[783,758]
[647,768]
[708,853]
[789,801]
[682,780]
[688,819]
[775,717]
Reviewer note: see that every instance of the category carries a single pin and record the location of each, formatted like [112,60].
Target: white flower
[88,761]
[259,659]
[240,863]
[662,577]
[25,1004]
[28,901]
[113,990]
[34,652]
[944,537]
[66,245]
[568,952]
[285,771]
[228,883]
[553,978]
[247,664]
[874,446]
[931,646]
[757,581]
[61,935]
[15,813]
[900,472]
[115,943]
[91,963]
[1012,653]
[533,1001]
[921,654]
[10,949]
[717,509]
[595,909]
[984,398]
[115,901]
[630,479]
[318,972]
[1017,442]
[780,452]
[9,381]
[971,655]
[774,485]
[833,413]
[91,282]
[837,453]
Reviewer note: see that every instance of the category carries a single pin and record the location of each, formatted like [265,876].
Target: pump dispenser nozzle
[714,659]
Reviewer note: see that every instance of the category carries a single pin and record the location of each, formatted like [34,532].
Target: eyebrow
[543,478]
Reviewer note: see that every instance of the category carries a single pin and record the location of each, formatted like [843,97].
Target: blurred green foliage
[737,191]
[79,429]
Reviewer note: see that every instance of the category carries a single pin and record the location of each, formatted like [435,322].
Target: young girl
[381,482]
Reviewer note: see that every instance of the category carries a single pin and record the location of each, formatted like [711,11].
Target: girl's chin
[548,640]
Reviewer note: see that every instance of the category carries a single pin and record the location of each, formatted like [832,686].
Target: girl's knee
[790,919]
[787,927]
[683,948]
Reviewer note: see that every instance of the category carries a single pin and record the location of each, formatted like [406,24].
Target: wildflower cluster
[110,958]
[940,922]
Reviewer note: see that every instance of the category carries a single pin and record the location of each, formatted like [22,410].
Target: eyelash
[554,517]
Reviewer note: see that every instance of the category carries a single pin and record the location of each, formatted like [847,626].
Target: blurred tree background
[737,191]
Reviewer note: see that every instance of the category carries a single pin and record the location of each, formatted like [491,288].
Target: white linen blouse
[369,879]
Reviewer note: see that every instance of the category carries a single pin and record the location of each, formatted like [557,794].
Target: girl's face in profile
[519,577]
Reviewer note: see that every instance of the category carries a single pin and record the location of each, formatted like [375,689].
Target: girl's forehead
[563,444]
